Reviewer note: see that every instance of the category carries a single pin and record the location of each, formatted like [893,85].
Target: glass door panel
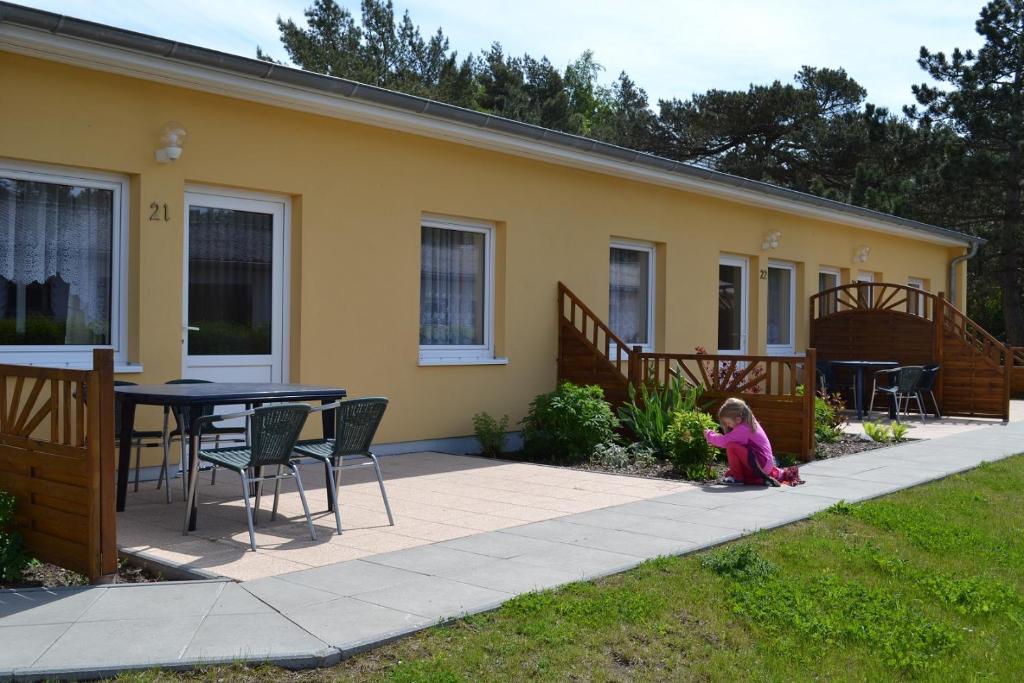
[781,302]
[732,305]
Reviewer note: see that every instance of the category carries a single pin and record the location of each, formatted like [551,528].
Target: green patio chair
[905,388]
[355,424]
[140,438]
[274,432]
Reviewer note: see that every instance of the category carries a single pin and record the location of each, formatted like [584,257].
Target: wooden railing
[590,353]
[885,321]
[57,458]
[576,314]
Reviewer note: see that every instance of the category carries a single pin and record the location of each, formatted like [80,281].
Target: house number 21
[158,212]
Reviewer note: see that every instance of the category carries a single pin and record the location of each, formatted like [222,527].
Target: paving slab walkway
[318,616]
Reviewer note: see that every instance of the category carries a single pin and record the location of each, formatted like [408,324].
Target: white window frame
[743,263]
[828,270]
[466,354]
[790,348]
[80,355]
[918,283]
[651,251]
[867,276]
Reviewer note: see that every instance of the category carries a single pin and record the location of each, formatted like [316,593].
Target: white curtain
[628,294]
[452,287]
[58,237]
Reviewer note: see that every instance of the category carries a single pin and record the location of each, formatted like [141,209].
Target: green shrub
[618,457]
[650,416]
[691,455]
[491,433]
[828,417]
[878,432]
[13,559]
[566,425]
[899,432]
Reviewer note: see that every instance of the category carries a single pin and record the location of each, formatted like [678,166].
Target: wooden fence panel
[57,458]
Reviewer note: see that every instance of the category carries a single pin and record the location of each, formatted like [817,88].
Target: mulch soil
[44,575]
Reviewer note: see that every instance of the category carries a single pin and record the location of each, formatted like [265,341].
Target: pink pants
[740,467]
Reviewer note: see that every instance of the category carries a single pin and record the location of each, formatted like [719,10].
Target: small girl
[748,449]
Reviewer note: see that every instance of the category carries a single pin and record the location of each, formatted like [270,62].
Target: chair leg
[302,496]
[259,494]
[277,494]
[184,454]
[874,388]
[165,468]
[213,474]
[191,498]
[138,462]
[332,495]
[248,510]
[380,481]
[920,407]
[938,413]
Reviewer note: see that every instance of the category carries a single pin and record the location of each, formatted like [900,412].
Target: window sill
[462,361]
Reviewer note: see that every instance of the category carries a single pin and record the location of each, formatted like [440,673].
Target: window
[781,305]
[732,305]
[916,302]
[866,292]
[631,293]
[828,278]
[62,255]
[456,291]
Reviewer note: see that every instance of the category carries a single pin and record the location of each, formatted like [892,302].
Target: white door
[235,287]
[866,294]
[781,322]
[732,305]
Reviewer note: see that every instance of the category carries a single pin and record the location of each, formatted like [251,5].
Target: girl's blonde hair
[738,409]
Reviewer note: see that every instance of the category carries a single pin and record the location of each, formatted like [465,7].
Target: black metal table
[180,396]
[858,388]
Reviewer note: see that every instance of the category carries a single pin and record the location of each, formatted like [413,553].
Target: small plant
[491,433]
[738,561]
[828,416]
[567,424]
[618,457]
[691,455]
[13,559]
[649,415]
[878,432]
[899,432]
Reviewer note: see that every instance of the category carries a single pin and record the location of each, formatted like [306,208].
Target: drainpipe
[952,271]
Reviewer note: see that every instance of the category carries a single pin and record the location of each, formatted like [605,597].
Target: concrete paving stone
[21,645]
[625,542]
[349,578]
[46,606]
[249,636]
[580,561]
[171,599]
[741,517]
[656,507]
[435,598]
[155,641]
[500,545]
[285,596]
[235,599]
[673,529]
[349,624]
[514,577]
[433,560]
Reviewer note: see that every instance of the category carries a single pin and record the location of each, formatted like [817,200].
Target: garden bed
[44,575]
[848,444]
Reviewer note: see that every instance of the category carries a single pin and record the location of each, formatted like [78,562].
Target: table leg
[859,392]
[124,455]
[193,465]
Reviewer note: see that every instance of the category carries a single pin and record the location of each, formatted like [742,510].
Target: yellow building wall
[358,193]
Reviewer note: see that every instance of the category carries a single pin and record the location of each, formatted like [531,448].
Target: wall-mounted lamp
[771,240]
[861,253]
[172,137]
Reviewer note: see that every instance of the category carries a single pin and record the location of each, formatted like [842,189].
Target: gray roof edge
[168,49]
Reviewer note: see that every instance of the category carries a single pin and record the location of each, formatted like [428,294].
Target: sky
[671,48]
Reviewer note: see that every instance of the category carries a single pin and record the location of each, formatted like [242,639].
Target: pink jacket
[755,440]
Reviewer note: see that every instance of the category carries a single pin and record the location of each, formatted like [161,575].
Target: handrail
[622,350]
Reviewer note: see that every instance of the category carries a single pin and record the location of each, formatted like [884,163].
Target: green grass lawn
[926,584]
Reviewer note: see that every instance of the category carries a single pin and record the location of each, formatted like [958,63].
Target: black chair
[275,430]
[928,377]
[905,388]
[140,438]
[183,420]
[355,424]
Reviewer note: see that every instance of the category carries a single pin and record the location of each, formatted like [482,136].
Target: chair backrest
[355,424]
[275,429]
[928,376]
[191,412]
[909,378]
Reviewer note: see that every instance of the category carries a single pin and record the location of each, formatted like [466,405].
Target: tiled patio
[435,497]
